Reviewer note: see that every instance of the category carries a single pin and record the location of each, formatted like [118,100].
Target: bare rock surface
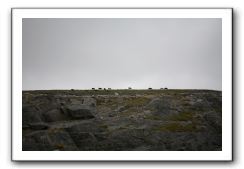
[130,120]
[80,111]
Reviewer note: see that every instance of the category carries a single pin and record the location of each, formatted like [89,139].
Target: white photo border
[16,51]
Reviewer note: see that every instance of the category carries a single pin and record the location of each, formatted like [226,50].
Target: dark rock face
[30,114]
[48,141]
[38,126]
[131,120]
[80,111]
[54,115]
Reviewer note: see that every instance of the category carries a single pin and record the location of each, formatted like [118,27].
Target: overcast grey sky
[118,53]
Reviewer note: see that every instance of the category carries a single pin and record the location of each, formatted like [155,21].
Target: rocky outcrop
[53,115]
[77,111]
[130,120]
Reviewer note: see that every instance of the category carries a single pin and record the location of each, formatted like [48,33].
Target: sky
[117,53]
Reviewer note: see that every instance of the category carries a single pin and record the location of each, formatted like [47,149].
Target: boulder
[61,140]
[48,141]
[85,141]
[160,106]
[90,102]
[83,134]
[30,115]
[81,111]
[54,115]
[37,141]
[84,101]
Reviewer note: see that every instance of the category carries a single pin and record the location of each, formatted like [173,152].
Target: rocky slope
[114,120]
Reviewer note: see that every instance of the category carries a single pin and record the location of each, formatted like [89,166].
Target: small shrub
[182,116]
[60,146]
[177,127]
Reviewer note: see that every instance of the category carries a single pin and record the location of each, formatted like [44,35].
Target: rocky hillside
[134,120]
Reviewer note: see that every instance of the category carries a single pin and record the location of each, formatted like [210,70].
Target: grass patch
[104,126]
[182,116]
[137,101]
[59,146]
[177,127]
[153,117]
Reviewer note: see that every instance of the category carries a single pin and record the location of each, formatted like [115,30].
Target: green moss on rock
[182,116]
[176,127]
